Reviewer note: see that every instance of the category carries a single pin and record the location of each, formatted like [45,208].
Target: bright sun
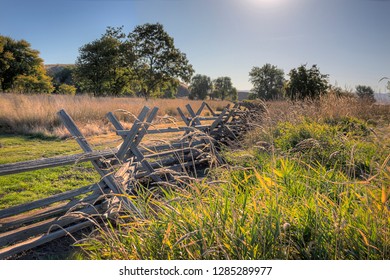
[264,2]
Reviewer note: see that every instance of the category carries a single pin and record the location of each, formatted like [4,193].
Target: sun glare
[264,2]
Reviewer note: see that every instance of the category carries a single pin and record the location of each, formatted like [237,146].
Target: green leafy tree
[268,82]
[306,83]
[66,89]
[365,92]
[21,68]
[223,89]
[100,66]
[200,87]
[158,65]
[62,75]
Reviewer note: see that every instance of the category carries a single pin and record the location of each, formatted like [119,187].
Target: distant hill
[53,69]
[182,91]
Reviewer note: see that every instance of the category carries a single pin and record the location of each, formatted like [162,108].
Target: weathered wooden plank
[46,201]
[207,118]
[218,120]
[145,127]
[194,117]
[129,138]
[174,166]
[184,118]
[31,165]
[168,130]
[200,109]
[210,109]
[25,232]
[158,148]
[72,128]
[42,239]
[111,117]
[171,152]
[60,209]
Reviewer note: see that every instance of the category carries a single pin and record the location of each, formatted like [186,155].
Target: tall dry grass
[327,107]
[293,191]
[36,114]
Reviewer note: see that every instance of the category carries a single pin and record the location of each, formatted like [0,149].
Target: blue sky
[347,39]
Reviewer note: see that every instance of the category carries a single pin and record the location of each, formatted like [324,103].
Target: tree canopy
[21,68]
[223,88]
[158,64]
[145,62]
[201,86]
[365,92]
[100,65]
[306,83]
[268,82]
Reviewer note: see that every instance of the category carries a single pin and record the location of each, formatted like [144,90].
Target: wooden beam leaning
[210,109]
[42,239]
[134,146]
[184,118]
[131,136]
[106,174]
[134,136]
[15,210]
[218,120]
[31,165]
[194,117]
[200,109]
[225,121]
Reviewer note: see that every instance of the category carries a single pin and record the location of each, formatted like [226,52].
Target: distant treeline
[145,62]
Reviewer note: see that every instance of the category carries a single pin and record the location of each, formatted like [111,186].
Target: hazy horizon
[347,39]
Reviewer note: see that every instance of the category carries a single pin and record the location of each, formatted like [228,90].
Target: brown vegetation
[36,114]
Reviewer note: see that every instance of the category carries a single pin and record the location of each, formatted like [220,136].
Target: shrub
[67,89]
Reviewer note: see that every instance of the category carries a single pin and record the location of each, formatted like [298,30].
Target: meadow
[36,114]
[311,180]
[30,129]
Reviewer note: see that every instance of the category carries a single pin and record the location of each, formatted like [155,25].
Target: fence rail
[32,224]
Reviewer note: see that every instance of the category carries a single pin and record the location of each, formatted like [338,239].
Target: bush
[343,144]
[366,93]
[67,89]
[306,83]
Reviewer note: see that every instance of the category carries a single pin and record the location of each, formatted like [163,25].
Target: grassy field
[29,129]
[310,181]
[36,114]
[26,187]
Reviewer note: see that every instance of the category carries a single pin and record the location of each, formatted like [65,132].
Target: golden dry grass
[327,107]
[36,114]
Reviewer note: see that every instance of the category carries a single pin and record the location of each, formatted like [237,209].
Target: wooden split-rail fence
[29,225]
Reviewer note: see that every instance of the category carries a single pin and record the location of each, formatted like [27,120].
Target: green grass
[279,201]
[28,186]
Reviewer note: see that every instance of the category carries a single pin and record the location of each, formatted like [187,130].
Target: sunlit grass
[308,187]
[36,114]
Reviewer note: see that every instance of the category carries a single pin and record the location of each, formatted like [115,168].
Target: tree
[21,68]
[200,87]
[66,89]
[157,64]
[365,92]
[268,82]
[61,75]
[100,66]
[223,88]
[306,83]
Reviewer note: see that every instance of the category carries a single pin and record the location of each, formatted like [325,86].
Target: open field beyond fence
[311,180]
[36,114]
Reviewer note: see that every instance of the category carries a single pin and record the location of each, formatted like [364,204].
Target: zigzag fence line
[32,224]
